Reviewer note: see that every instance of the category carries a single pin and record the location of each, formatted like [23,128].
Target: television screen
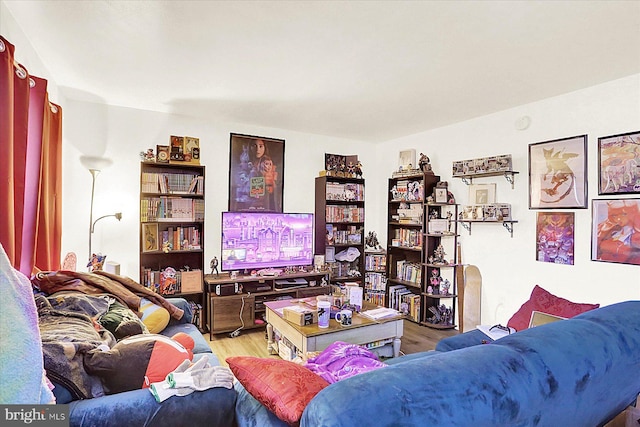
[257,240]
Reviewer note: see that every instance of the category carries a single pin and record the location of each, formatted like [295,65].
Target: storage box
[300,315]
[191,281]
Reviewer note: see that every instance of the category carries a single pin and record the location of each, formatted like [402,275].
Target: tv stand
[223,311]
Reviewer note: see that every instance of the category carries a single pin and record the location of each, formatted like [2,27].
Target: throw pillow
[136,362]
[155,317]
[121,321]
[283,387]
[544,301]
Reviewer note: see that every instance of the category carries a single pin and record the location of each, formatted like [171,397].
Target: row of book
[352,235]
[174,283]
[171,209]
[347,192]
[409,271]
[344,214]
[182,238]
[375,281]
[340,269]
[375,297]
[407,237]
[405,301]
[375,262]
[406,190]
[172,183]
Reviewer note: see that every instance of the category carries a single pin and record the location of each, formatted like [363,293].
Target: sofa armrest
[213,407]
[184,305]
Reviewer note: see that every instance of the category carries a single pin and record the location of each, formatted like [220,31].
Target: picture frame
[256,172]
[558,174]
[482,194]
[407,159]
[150,241]
[163,153]
[619,164]
[440,195]
[615,230]
[555,237]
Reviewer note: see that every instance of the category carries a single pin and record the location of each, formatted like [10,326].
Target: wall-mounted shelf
[508,175]
[506,224]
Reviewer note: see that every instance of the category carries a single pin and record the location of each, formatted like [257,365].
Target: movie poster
[256,173]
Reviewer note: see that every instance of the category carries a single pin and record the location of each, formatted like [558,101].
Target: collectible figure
[425,167]
[214,265]
[359,169]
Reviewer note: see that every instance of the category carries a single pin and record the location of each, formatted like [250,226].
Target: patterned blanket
[68,332]
[123,288]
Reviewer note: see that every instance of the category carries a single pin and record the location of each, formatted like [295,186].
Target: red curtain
[30,167]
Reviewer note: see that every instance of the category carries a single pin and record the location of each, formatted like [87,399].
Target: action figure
[214,265]
[359,169]
[424,164]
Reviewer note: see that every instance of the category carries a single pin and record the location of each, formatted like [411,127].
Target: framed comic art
[615,230]
[482,194]
[619,164]
[555,237]
[256,172]
[150,241]
[558,174]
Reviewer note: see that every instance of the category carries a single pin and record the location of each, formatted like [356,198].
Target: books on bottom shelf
[380,313]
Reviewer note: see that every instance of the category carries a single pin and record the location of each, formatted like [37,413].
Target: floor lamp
[95,165]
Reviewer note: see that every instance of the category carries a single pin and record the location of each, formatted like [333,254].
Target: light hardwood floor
[253,342]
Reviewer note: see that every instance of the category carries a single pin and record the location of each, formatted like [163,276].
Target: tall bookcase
[406,242]
[172,230]
[339,227]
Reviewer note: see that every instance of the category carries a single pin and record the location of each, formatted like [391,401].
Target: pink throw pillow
[283,387]
[546,302]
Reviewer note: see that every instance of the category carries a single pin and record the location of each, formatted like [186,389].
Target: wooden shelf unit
[339,225]
[168,209]
[223,314]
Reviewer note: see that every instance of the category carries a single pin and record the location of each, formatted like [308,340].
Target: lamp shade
[95,163]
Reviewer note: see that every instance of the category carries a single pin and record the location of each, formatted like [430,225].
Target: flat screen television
[257,240]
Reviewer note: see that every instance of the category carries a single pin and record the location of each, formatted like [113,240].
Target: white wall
[124,133]
[508,266]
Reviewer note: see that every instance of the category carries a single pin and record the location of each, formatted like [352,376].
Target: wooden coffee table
[312,338]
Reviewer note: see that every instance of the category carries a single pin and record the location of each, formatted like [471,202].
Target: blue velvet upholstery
[468,339]
[577,372]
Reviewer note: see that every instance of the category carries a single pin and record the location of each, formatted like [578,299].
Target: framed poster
[150,241]
[558,173]
[619,164]
[482,194]
[555,237]
[256,171]
[615,230]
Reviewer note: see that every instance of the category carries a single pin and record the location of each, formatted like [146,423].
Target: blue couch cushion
[467,339]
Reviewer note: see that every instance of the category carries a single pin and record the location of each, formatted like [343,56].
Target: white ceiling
[366,70]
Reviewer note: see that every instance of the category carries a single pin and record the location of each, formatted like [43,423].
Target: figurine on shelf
[425,166]
[434,282]
[371,241]
[214,265]
[395,194]
[148,156]
[351,170]
[445,287]
[449,219]
[438,255]
[359,169]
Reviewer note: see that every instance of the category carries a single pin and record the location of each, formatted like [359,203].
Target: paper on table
[380,313]
[495,333]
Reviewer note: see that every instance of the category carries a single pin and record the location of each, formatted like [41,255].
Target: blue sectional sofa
[578,372]
[212,408]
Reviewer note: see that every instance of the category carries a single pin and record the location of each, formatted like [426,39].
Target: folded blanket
[123,288]
[21,362]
